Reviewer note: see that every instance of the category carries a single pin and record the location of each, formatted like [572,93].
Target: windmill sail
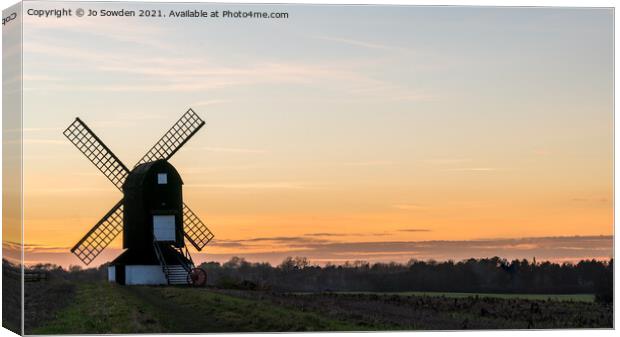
[171,142]
[100,236]
[108,228]
[97,152]
[195,230]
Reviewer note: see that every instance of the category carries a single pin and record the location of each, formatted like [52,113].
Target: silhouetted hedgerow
[489,275]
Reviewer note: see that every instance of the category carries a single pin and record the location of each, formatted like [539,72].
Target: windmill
[152,216]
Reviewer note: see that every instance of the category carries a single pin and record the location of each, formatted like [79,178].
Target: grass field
[72,307]
[106,308]
[541,297]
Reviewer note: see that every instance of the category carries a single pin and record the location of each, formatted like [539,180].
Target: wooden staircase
[176,273]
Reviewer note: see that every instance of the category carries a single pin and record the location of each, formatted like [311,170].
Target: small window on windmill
[162,178]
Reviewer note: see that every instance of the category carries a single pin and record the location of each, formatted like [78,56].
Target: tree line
[487,275]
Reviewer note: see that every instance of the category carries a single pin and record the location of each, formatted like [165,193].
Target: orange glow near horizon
[331,213]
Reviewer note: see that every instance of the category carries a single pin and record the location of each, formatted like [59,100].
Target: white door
[163,227]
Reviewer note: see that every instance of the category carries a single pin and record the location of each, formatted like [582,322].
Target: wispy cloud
[57,191]
[104,29]
[409,207]
[445,161]
[140,117]
[209,102]
[139,72]
[283,185]
[284,239]
[599,199]
[473,169]
[224,168]
[543,248]
[414,230]
[541,152]
[327,234]
[275,249]
[41,129]
[353,42]
[45,248]
[369,163]
[230,150]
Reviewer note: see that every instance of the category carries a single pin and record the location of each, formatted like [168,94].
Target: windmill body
[153,206]
[152,221]
[152,215]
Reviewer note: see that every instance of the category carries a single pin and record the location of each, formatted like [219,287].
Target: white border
[503,3]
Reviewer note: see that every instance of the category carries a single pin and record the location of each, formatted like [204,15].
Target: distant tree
[294,263]
[605,284]
[211,264]
[235,262]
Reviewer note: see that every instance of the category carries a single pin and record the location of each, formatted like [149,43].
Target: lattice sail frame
[101,235]
[97,152]
[108,228]
[171,141]
[195,230]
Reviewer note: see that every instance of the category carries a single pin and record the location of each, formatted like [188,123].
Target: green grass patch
[207,311]
[553,297]
[102,308]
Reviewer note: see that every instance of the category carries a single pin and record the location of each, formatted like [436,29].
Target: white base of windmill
[149,275]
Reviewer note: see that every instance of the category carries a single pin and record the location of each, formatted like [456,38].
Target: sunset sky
[340,133]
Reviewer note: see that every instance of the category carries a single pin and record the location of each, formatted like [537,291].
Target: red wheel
[197,277]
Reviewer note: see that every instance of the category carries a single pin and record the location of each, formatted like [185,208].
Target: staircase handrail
[187,266]
[160,257]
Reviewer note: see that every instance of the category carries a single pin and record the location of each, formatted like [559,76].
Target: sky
[377,133]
